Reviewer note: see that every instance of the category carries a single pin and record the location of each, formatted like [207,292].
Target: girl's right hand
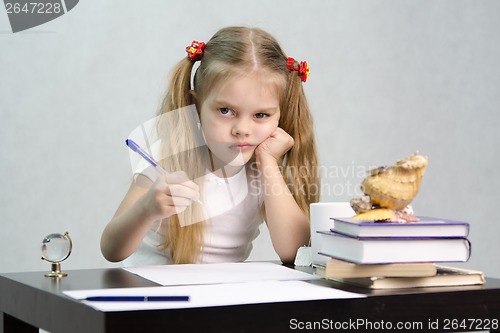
[170,194]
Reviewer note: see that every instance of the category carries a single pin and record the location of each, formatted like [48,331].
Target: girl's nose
[241,128]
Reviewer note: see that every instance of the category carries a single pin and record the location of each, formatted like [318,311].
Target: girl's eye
[261,115]
[224,111]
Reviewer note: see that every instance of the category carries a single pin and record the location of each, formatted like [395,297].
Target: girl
[258,129]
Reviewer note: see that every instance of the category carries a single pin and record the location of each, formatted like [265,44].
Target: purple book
[426,227]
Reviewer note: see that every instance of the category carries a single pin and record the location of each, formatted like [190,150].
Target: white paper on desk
[191,274]
[214,295]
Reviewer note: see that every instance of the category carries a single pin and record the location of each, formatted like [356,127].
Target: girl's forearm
[288,225]
[124,233]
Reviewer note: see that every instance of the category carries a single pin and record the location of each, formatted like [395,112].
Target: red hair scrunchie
[195,50]
[303,68]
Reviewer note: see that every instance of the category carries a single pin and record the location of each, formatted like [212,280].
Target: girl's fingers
[174,193]
[182,191]
[178,185]
[180,177]
[180,204]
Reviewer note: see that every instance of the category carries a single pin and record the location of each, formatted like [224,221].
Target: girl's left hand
[275,145]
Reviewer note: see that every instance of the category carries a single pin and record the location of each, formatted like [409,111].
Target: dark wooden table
[29,301]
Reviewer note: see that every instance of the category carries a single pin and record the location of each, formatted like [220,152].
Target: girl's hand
[169,195]
[275,145]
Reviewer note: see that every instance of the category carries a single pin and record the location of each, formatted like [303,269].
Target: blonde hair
[233,51]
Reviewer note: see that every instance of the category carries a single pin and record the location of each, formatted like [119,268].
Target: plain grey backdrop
[388,77]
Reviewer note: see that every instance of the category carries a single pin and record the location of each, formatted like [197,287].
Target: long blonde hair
[232,51]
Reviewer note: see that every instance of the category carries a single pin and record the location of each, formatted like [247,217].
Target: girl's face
[238,117]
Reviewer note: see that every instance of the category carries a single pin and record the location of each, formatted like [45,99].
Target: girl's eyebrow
[223,102]
[232,106]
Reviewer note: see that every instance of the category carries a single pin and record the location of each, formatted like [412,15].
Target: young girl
[258,129]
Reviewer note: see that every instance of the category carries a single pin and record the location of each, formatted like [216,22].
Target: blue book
[387,250]
[426,227]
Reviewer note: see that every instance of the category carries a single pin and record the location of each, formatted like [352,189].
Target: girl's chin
[239,160]
[232,158]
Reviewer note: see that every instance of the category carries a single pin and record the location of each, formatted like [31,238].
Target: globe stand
[56,271]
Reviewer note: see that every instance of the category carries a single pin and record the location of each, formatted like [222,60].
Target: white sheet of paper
[192,274]
[214,295]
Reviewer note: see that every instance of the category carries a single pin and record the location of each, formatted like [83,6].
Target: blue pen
[135,147]
[137,298]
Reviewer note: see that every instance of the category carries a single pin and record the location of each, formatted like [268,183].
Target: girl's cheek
[265,133]
[272,128]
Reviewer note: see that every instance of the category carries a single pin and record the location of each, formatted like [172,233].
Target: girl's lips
[242,146]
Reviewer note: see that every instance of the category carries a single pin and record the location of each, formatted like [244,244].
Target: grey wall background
[388,77]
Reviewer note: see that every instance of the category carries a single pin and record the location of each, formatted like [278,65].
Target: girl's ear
[192,97]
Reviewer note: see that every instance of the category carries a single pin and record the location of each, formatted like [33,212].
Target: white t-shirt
[233,206]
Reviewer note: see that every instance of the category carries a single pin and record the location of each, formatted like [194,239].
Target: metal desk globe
[55,249]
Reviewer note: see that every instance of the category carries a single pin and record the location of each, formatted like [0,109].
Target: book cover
[373,250]
[446,276]
[426,227]
[335,268]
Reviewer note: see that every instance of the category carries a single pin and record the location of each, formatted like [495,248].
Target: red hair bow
[195,50]
[302,68]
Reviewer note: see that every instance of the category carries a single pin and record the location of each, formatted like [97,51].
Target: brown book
[335,268]
[446,276]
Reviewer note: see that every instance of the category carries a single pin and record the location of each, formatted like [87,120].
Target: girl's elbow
[287,260]
[111,258]
[287,256]
[109,254]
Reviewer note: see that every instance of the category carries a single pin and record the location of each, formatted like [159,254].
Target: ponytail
[179,94]
[184,230]
[300,163]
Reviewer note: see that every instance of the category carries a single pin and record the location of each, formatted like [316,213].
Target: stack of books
[397,255]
